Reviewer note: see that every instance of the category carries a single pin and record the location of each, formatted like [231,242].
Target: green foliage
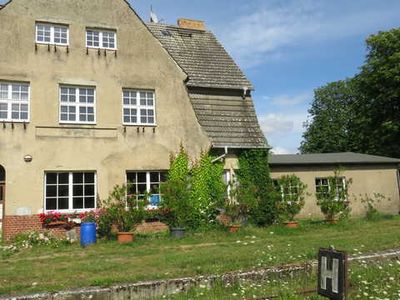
[292,191]
[207,187]
[361,114]
[120,210]
[333,198]
[192,194]
[255,190]
[330,128]
[371,213]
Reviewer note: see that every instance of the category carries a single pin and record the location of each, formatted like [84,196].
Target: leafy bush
[371,213]
[119,210]
[192,194]
[292,191]
[255,189]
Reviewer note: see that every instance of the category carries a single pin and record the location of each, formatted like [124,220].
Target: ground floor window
[324,185]
[70,190]
[143,184]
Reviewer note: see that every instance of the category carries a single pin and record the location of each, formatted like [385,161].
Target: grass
[159,257]
[379,280]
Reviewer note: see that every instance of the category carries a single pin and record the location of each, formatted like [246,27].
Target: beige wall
[106,148]
[365,180]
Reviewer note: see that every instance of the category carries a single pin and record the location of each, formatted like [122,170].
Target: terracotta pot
[291,224]
[332,221]
[125,237]
[234,228]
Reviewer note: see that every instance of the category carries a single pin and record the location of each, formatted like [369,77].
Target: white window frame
[70,192]
[341,179]
[10,101]
[138,108]
[77,104]
[101,44]
[52,35]
[148,184]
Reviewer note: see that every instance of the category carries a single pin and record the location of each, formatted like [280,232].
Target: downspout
[221,156]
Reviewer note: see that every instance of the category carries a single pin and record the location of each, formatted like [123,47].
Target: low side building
[369,175]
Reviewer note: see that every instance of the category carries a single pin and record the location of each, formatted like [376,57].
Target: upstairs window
[138,107]
[14,102]
[52,34]
[104,39]
[77,105]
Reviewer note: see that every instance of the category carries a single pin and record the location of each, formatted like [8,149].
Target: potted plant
[291,200]
[123,212]
[235,212]
[176,206]
[332,197]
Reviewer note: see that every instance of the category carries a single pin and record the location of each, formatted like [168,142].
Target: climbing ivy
[207,187]
[256,188]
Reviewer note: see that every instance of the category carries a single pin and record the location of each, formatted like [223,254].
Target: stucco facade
[365,180]
[107,147]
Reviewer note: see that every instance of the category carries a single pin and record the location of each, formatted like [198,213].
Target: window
[101,39]
[52,34]
[138,107]
[324,185]
[77,105]
[289,191]
[141,183]
[14,102]
[70,190]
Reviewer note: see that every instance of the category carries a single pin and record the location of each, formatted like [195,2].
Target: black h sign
[332,274]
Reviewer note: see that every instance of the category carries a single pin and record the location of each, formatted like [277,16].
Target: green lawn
[149,258]
[378,280]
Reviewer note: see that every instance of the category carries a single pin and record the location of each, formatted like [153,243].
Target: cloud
[282,123]
[287,100]
[281,150]
[265,34]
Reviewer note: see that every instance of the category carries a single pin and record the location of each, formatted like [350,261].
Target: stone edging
[152,289]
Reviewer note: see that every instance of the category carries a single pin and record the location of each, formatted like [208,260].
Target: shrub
[119,210]
[255,189]
[292,191]
[371,213]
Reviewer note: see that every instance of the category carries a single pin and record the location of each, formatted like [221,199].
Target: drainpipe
[221,156]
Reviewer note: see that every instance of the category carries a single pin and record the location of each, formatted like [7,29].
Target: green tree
[360,114]
[331,112]
[378,108]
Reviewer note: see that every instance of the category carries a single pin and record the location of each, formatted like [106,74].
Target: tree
[378,108]
[331,125]
[360,114]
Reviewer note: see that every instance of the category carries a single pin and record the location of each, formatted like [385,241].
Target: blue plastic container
[88,234]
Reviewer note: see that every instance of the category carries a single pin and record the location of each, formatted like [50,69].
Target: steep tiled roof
[330,158]
[201,56]
[228,120]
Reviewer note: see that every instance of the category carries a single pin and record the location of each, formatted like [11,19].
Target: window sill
[101,48]
[140,125]
[15,121]
[51,44]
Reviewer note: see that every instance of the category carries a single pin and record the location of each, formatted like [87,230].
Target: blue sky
[287,48]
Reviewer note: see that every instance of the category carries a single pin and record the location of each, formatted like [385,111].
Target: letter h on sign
[332,274]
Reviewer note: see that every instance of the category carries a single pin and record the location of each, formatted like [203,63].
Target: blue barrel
[88,234]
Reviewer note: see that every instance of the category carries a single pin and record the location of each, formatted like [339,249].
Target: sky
[287,48]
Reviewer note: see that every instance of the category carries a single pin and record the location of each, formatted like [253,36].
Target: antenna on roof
[153,16]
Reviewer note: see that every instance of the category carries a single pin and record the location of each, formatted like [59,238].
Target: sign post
[332,274]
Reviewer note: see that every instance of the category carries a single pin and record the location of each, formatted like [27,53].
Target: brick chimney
[191,24]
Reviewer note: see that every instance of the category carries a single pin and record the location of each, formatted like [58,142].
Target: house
[91,96]
[369,176]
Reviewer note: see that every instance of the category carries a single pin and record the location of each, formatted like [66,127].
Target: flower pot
[177,233]
[291,224]
[125,237]
[234,228]
[55,223]
[332,221]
